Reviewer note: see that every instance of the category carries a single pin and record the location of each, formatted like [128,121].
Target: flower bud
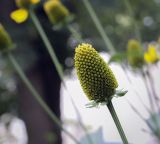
[96,78]
[26,3]
[56,11]
[5,40]
[135,53]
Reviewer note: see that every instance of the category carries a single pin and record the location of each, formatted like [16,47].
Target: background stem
[38,97]
[57,64]
[117,122]
[75,34]
[99,26]
[47,43]
[131,13]
[148,91]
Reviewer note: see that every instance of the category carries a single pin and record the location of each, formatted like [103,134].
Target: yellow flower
[96,77]
[151,56]
[55,11]
[135,53]
[20,15]
[26,3]
[5,40]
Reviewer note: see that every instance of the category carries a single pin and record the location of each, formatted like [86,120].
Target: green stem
[117,122]
[54,60]
[131,13]
[75,34]
[47,43]
[148,91]
[152,85]
[99,26]
[38,97]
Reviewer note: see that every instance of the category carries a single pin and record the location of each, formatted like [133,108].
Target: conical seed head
[96,78]
[5,40]
[55,11]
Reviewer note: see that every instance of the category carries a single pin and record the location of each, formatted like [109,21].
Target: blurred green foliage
[116,20]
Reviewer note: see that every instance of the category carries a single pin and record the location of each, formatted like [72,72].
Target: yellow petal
[152,51]
[19,15]
[35,1]
[148,58]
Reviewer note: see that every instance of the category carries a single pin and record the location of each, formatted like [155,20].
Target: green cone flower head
[5,40]
[96,78]
[135,53]
[56,11]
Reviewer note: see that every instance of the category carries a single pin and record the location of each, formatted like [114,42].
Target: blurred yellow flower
[35,1]
[26,3]
[56,11]
[151,56]
[20,15]
[135,53]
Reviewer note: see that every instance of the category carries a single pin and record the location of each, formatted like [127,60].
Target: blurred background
[22,120]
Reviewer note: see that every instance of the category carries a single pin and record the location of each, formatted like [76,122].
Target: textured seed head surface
[96,78]
[55,11]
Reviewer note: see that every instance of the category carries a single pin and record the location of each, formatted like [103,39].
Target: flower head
[96,78]
[5,40]
[20,15]
[135,53]
[56,11]
[151,56]
[26,3]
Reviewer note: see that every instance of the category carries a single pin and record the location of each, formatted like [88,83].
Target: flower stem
[151,82]
[131,13]
[148,91]
[75,34]
[117,122]
[55,62]
[47,43]
[99,26]
[36,95]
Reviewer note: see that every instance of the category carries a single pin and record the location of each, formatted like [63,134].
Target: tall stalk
[148,91]
[107,41]
[117,122]
[56,63]
[75,34]
[36,95]
[156,98]
[131,13]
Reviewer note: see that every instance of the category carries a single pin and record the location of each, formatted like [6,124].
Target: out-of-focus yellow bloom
[135,53]
[55,11]
[20,15]
[5,40]
[26,3]
[151,56]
